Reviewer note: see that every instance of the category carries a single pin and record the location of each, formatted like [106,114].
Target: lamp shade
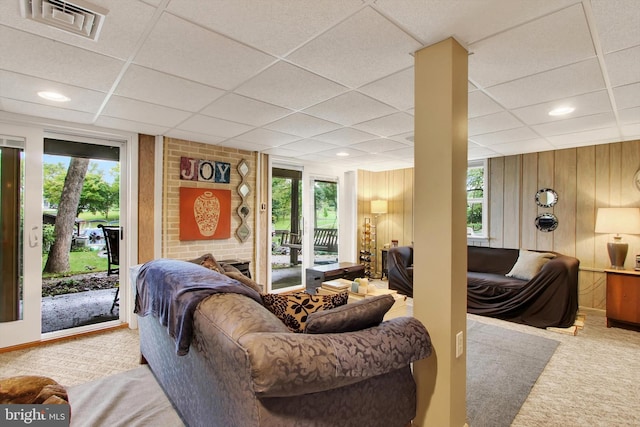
[618,220]
[379,206]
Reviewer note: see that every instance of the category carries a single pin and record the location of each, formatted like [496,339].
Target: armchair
[400,269]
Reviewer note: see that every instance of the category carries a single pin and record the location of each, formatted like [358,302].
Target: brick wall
[231,248]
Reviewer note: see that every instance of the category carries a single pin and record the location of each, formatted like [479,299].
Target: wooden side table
[623,297]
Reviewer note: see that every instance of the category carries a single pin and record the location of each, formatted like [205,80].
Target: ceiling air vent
[77,16]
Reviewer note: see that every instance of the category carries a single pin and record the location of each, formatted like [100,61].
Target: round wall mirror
[546,222]
[546,198]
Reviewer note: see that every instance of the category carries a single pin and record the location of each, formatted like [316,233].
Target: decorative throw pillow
[294,309]
[529,263]
[244,280]
[208,261]
[362,314]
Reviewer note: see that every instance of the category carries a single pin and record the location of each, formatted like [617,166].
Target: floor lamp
[618,221]
[378,207]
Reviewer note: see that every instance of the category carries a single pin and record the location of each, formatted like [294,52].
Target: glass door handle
[33,237]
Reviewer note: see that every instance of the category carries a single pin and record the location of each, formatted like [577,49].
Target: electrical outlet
[459,344]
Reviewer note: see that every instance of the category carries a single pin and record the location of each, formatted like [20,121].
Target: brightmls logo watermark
[34,415]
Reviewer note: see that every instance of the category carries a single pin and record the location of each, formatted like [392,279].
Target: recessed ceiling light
[53,96]
[342,154]
[561,111]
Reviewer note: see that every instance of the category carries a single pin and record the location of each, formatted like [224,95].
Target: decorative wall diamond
[243,232]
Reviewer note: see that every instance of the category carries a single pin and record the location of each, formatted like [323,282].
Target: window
[476,199]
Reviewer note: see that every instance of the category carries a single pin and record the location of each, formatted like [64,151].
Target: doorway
[286,229]
[81,201]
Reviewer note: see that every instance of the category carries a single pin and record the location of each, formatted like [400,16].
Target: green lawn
[80,262]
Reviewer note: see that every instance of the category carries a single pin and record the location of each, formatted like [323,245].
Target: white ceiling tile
[332,153]
[627,96]
[630,115]
[308,146]
[289,86]
[405,138]
[585,105]
[244,145]
[392,124]
[631,131]
[138,111]
[241,109]
[492,123]
[481,105]
[345,136]
[267,137]
[212,126]
[193,136]
[502,137]
[283,152]
[395,90]
[302,125]
[578,139]
[13,85]
[350,108]
[137,127]
[155,87]
[549,42]
[124,25]
[46,111]
[363,48]
[40,57]
[617,30]
[400,153]
[623,66]
[528,146]
[578,124]
[198,54]
[467,21]
[379,145]
[476,153]
[574,79]
[275,26]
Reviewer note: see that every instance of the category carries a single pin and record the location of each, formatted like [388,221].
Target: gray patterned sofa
[245,368]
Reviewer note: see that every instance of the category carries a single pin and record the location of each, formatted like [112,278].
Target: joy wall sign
[205,170]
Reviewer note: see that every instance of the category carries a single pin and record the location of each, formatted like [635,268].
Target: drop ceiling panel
[131,126]
[275,26]
[395,90]
[241,109]
[350,108]
[624,66]
[212,126]
[475,153]
[345,136]
[481,105]
[198,54]
[289,86]
[379,145]
[627,96]
[578,139]
[138,111]
[13,85]
[502,137]
[332,154]
[492,123]
[617,30]
[630,115]
[302,125]
[155,87]
[588,104]
[206,138]
[630,132]
[267,137]
[243,145]
[527,146]
[467,21]
[392,124]
[46,111]
[561,127]
[125,23]
[308,146]
[559,39]
[40,57]
[574,79]
[360,49]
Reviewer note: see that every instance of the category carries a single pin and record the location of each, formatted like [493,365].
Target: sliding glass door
[325,221]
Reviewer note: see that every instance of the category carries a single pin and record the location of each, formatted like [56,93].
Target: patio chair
[112,243]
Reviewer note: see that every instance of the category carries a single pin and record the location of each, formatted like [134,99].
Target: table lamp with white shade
[618,221]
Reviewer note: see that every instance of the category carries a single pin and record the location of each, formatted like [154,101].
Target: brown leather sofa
[549,298]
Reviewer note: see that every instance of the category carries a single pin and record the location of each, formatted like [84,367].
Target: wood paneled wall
[585,178]
[397,188]
[146,197]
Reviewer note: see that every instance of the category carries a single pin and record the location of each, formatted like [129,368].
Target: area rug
[502,367]
[132,399]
